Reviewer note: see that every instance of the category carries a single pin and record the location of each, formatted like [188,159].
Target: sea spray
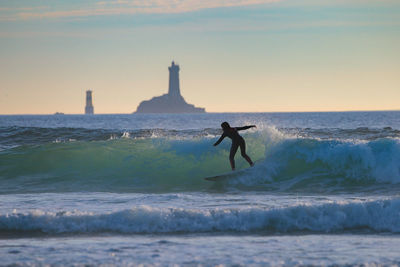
[303,162]
[178,163]
[376,216]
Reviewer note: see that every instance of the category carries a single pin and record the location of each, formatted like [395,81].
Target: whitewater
[129,190]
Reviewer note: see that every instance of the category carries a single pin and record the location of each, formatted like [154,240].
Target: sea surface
[129,190]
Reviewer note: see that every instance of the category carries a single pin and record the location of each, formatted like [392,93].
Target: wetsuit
[237,141]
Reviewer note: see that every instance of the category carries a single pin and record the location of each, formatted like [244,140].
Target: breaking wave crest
[374,216]
[178,160]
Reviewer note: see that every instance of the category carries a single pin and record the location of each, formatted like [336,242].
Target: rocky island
[173,102]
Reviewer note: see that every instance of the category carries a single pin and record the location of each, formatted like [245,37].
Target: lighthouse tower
[173,101]
[89,104]
[173,89]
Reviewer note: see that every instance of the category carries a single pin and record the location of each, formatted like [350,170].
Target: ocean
[128,190]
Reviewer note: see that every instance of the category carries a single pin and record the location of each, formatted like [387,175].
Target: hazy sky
[235,55]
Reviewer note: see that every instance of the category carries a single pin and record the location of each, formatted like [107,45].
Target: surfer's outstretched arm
[245,127]
[220,140]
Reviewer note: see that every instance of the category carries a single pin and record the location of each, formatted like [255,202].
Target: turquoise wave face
[178,163]
[127,165]
[313,165]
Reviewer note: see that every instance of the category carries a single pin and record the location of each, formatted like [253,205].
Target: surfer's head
[225,125]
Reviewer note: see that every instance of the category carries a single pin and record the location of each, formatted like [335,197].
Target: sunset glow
[235,56]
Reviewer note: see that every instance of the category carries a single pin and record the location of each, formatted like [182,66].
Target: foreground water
[129,190]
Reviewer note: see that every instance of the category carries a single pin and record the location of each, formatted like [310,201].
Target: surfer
[237,141]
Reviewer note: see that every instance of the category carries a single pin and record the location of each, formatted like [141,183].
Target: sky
[234,55]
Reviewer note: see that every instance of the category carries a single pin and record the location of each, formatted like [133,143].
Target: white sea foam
[376,216]
[351,162]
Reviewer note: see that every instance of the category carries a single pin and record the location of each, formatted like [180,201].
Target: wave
[374,216]
[16,136]
[326,165]
[360,133]
[164,163]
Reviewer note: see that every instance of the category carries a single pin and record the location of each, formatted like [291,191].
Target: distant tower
[89,104]
[173,90]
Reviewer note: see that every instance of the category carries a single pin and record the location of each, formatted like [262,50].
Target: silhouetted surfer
[237,141]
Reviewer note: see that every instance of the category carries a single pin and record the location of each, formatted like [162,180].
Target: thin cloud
[126,7]
[12,13]
[22,8]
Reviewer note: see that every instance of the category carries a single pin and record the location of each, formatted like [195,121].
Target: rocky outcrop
[173,102]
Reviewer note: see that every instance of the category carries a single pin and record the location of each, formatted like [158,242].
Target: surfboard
[224,176]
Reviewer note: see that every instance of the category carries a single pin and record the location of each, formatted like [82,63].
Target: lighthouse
[89,104]
[173,101]
[173,89]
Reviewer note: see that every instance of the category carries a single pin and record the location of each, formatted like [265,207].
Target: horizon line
[223,112]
